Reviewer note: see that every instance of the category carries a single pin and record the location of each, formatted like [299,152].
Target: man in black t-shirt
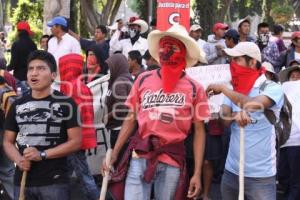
[44,126]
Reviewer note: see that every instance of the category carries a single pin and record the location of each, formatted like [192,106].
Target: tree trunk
[74,13]
[114,12]
[223,9]
[1,17]
[54,8]
[89,15]
[206,11]
[266,8]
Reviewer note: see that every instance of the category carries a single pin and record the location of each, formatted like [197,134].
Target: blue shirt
[260,152]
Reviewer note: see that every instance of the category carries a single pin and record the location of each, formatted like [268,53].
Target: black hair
[23,33]
[135,55]
[44,36]
[262,25]
[277,29]
[44,56]
[102,28]
[248,59]
[234,39]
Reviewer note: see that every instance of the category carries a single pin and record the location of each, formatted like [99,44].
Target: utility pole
[150,10]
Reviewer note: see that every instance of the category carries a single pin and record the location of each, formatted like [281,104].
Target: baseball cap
[296,35]
[269,67]
[58,21]
[219,25]
[245,49]
[232,33]
[23,25]
[196,27]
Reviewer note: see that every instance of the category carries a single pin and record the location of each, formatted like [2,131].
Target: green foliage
[141,8]
[32,12]
[282,13]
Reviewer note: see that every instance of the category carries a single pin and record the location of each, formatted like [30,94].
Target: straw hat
[284,74]
[144,26]
[194,53]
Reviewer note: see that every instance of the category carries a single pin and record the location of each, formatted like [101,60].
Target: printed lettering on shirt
[165,115]
[160,99]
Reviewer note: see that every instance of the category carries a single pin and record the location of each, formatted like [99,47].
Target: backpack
[284,124]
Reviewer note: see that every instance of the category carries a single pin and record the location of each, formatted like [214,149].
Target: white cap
[248,19]
[245,49]
[195,27]
[269,67]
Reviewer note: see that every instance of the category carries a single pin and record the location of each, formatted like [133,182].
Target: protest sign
[210,74]
[170,12]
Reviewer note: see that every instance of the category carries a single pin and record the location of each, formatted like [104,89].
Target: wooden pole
[22,188]
[106,175]
[241,165]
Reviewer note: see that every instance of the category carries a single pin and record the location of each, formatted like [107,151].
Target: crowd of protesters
[166,143]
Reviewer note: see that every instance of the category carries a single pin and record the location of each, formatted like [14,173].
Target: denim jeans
[49,192]
[7,170]
[255,188]
[165,181]
[289,174]
[86,180]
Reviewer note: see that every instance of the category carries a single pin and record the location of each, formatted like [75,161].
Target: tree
[54,8]
[93,17]
[1,17]
[209,12]
[29,11]
[142,8]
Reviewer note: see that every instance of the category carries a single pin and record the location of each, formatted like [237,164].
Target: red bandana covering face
[91,61]
[243,78]
[172,54]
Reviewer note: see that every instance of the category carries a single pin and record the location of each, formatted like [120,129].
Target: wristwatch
[43,155]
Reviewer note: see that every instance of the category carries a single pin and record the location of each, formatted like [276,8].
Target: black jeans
[49,192]
[289,173]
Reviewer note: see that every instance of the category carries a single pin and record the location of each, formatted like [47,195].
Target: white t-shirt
[201,43]
[67,45]
[297,56]
[141,45]
[292,92]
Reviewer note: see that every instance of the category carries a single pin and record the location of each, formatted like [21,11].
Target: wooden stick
[22,188]
[242,161]
[106,175]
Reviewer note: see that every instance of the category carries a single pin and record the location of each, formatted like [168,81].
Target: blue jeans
[289,174]
[7,170]
[86,180]
[255,188]
[49,192]
[165,181]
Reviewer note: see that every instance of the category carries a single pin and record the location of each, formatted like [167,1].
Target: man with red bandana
[244,107]
[164,103]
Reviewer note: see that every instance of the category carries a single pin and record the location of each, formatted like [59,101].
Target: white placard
[210,74]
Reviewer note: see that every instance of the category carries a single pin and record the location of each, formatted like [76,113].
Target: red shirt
[167,116]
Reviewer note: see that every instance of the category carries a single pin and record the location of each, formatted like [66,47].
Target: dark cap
[232,33]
